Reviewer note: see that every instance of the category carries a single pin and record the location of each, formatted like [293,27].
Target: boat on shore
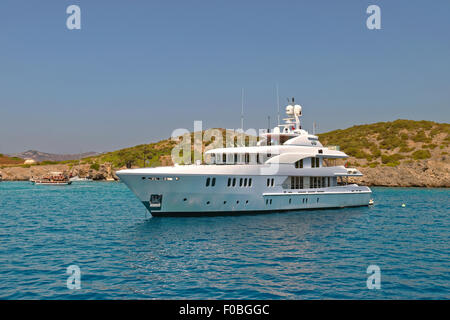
[288,170]
[53,179]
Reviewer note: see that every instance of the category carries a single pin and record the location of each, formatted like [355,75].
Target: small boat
[79,179]
[54,179]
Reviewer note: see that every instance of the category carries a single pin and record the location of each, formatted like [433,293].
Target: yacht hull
[189,196]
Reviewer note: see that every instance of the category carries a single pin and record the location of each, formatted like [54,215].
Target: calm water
[122,253]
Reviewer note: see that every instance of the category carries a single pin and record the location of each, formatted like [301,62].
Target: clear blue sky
[139,69]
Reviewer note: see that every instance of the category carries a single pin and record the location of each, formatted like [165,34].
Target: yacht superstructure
[288,169]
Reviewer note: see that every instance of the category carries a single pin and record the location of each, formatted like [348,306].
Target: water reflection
[254,254]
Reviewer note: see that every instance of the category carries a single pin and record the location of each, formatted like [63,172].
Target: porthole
[237,202]
[246,201]
[207,202]
[184,199]
[224,202]
[290,200]
[143,178]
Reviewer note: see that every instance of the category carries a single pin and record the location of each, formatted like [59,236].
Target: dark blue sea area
[124,253]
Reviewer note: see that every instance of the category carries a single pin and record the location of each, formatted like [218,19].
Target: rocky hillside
[42,156]
[398,153]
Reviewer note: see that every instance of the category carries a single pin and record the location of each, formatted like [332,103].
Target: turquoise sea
[123,253]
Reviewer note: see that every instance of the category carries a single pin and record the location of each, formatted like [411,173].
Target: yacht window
[313,163]
[213,183]
[235,158]
[311,182]
[234,182]
[329,182]
[247,158]
[269,155]
[317,162]
[299,164]
[273,182]
[229,182]
[268,182]
[207,182]
[245,182]
[224,158]
[250,182]
[257,158]
[240,182]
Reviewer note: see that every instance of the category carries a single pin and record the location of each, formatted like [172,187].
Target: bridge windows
[296,182]
[299,164]
[270,182]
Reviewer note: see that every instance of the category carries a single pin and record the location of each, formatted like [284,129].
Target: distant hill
[42,156]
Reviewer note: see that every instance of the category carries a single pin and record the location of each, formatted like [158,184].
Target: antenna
[268,124]
[242,109]
[278,105]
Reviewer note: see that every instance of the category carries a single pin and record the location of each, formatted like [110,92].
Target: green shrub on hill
[386,159]
[421,154]
[421,137]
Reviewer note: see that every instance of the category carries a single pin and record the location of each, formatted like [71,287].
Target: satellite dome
[298,109]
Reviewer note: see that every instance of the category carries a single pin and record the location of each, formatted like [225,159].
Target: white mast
[242,109]
[278,105]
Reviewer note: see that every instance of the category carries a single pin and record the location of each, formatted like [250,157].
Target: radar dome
[289,109]
[298,109]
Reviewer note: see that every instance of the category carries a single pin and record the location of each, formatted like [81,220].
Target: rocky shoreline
[21,173]
[427,173]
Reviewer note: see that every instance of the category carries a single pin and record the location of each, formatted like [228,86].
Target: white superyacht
[287,170]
